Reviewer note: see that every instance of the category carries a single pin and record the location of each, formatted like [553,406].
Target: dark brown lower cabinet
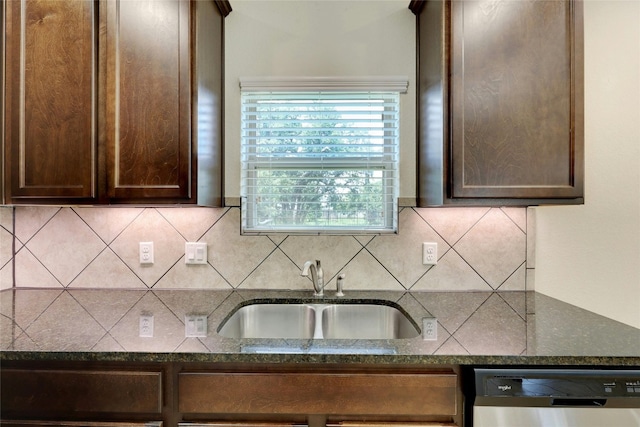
[215,395]
[334,397]
[79,424]
[87,397]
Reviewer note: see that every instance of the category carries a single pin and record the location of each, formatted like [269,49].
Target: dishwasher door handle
[578,402]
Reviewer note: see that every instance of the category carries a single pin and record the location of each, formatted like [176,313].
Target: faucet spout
[317,276]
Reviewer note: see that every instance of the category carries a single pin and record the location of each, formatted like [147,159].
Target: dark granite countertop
[474,328]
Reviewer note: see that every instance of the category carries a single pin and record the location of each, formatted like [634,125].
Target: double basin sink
[377,320]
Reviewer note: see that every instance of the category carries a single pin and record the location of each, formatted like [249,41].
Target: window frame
[383,86]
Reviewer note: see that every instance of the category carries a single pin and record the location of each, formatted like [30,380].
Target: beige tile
[107,271]
[232,255]
[192,345]
[107,343]
[24,343]
[6,218]
[65,245]
[277,272]
[364,272]
[65,325]
[451,273]
[108,222]
[518,215]
[30,273]
[192,222]
[29,219]
[402,254]
[6,247]
[333,251]
[168,244]
[451,347]
[6,276]
[495,247]
[363,239]
[531,237]
[197,276]
[452,223]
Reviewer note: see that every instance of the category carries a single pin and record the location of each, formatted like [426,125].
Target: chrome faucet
[317,276]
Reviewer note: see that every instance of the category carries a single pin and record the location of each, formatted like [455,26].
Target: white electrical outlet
[195,325]
[429,329]
[146,326]
[195,253]
[429,253]
[146,252]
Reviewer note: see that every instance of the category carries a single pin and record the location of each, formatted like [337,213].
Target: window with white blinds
[319,161]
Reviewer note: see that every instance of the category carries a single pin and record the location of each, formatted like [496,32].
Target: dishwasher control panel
[557,383]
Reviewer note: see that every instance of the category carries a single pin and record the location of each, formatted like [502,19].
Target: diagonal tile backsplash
[479,249]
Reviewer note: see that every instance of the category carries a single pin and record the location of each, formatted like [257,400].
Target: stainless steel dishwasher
[556,398]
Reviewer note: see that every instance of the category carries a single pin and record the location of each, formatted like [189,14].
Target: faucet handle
[339,285]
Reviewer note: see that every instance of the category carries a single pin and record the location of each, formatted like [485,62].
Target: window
[323,160]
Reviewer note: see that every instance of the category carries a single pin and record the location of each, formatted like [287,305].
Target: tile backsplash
[479,249]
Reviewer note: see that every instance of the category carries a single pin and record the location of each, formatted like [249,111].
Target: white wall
[590,255]
[319,38]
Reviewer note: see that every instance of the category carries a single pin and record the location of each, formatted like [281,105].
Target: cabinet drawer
[318,393]
[39,392]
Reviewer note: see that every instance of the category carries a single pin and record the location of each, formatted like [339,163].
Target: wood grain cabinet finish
[50,393]
[501,102]
[102,101]
[50,99]
[353,394]
[148,97]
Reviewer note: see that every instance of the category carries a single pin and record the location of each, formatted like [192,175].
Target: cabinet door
[61,394]
[356,394]
[148,99]
[50,100]
[516,99]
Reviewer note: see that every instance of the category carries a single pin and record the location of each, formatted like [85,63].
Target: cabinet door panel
[148,99]
[59,393]
[50,99]
[516,100]
[318,393]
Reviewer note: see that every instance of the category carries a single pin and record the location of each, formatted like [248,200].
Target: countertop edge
[415,360]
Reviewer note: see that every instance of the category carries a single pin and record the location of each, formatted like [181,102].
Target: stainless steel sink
[319,321]
[270,321]
[366,321]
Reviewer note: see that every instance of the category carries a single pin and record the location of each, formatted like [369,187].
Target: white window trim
[398,84]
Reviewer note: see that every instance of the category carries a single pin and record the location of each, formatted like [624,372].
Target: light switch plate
[195,253]
[195,325]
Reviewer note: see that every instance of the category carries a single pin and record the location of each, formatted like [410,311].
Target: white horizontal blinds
[319,160]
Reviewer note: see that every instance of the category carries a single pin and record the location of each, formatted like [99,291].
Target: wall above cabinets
[106,102]
[500,102]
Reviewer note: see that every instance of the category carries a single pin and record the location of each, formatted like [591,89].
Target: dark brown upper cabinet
[102,101]
[500,102]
